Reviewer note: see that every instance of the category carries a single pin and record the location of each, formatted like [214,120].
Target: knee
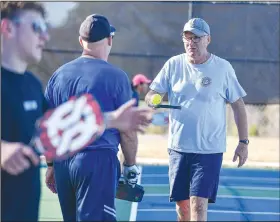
[183,210]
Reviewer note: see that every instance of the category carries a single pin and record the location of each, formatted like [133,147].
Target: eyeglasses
[40,27]
[194,39]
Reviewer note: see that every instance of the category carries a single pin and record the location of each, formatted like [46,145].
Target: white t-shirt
[202,90]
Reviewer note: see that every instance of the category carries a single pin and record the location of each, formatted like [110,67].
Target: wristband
[49,164]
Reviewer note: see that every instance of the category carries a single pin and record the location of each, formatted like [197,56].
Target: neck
[12,62]
[199,60]
[92,55]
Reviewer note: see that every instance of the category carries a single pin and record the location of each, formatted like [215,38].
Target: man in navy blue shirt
[86,183]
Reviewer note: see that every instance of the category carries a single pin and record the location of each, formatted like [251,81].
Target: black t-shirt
[22,103]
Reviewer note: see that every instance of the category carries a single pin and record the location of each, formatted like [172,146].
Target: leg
[205,171]
[32,192]
[95,175]
[183,210]
[65,190]
[20,195]
[179,179]
[198,206]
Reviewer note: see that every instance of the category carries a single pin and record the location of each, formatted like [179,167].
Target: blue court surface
[244,195]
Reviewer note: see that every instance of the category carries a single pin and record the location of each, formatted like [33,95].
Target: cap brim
[113,30]
[196,32]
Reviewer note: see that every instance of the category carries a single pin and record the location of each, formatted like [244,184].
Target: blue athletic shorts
[192,174]
[86,185]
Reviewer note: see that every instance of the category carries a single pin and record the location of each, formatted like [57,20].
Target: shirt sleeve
[232,90]
[161,83]
[48,97]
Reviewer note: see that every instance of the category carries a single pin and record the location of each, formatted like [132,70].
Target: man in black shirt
[23,36]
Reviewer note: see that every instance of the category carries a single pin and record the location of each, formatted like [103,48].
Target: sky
[57,11]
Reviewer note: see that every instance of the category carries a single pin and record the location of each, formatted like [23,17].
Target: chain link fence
[263,119]
[250,42]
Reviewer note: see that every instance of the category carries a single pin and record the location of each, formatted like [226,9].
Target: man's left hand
[242,153]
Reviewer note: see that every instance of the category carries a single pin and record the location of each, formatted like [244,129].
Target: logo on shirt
[205,81]
[30,105]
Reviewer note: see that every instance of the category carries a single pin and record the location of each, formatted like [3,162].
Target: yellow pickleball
[156,99]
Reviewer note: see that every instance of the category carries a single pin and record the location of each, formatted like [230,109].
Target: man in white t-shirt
[202,83]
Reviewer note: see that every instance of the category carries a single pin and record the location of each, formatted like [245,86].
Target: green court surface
[50,209]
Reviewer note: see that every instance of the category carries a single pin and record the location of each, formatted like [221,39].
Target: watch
[244,141]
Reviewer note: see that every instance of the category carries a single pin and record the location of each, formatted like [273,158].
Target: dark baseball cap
[95,28]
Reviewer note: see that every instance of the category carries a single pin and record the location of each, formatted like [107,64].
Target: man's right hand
[50,179]
[131,174]
[15,157]
[129,118]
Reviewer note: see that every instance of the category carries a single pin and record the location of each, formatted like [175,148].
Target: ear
[6,28]
[208,39]
[110,41]
[81,41]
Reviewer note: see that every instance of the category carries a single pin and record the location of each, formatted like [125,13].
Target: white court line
[221,177]
[215,211]
[134,205]
[221,186]
[219,196]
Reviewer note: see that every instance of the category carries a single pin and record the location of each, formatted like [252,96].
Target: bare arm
[240,117]
[129,146]
[150,94]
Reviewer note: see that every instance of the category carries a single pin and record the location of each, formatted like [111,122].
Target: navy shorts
[20,195]
[86,185]
[192,174]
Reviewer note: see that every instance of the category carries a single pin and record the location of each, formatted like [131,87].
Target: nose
[191,43]
[45,36]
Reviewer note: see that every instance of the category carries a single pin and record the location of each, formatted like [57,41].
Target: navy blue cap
[95,28]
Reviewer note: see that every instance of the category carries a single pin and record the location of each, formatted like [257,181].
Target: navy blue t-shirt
[109,85]
[23,103]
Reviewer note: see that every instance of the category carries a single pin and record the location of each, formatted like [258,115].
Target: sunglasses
[38,27]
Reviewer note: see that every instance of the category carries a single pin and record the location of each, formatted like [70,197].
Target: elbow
[239,105]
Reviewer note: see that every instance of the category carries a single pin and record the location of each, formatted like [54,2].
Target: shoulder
[116,75]
[221,62]
[34,80]
[58,74]
[66,66]
[174,60]
[116,70]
